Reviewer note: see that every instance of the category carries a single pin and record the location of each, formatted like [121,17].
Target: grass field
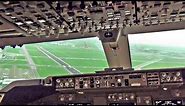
[84,55]
[45,66]
[155,57]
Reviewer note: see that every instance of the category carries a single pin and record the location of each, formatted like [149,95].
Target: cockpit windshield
[32,61]
[56,58]
[158,49]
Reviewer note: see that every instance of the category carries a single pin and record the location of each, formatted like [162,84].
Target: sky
[164,38]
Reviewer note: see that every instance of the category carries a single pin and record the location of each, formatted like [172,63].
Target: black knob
[81,86]
[126,82]
[80,82]
[70,6]
[82,5]
[94,3]
[119,84]
[92,86]
[59,8]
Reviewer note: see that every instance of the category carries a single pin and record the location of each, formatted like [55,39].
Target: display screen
[157,50]
[57,58]
[168,102]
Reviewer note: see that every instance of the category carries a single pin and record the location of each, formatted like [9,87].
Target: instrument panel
[144,87]
[121,80]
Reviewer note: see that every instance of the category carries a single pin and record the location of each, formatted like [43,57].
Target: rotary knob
[62,97]
[61,84]
[70,80]
[58,80]
[163,74]
[168,79]
[119,80]
[66,84]
[178,74]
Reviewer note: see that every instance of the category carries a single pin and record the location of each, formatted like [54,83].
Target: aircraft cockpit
[92,53]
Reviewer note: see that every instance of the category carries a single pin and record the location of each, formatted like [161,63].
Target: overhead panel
[64,18]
